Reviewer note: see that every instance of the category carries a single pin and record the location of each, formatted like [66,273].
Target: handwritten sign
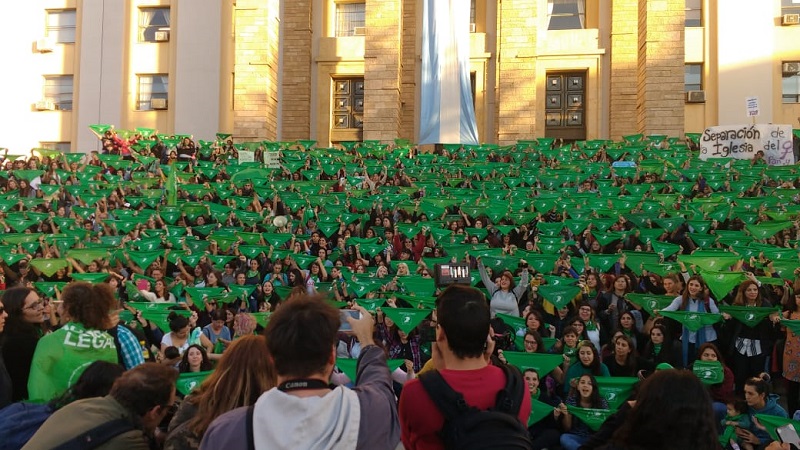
[745,141]
[752,106]
[246,156]
[272,160]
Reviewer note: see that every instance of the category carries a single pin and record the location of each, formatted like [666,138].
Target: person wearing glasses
[25,325]
[5,378]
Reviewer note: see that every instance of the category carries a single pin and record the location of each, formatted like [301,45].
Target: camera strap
[302,384]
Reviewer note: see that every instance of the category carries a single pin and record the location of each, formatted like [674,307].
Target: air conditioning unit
[472,27]
[791,68]
[158,103]
[45,45]
[696,97]
[45,105]
[790,19]
[162,36]
[359,31]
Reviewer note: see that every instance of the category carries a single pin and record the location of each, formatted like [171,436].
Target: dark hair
[739,404]
[184,366]
[712,346]
[299,279]
[594,398]
[595,366]
[218,314]
[673,410]
[95,381]
[144,387]
[301,335]
[89,304]
[703,296]
[463,315]
[14,303]
[569,329]
[760,384]
[538,338]
[171,352]
[177,322]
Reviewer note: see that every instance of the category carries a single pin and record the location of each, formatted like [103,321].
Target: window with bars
[348,103]
[58,89]
[61,25]
[350,19]
[790,82]
[693,77]
[152,87]
[151,22]
[566,14]
[694,13]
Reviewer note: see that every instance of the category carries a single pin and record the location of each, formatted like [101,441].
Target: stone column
[383,55]
[255,79]
[660,86]
[624,67]
[516,70]
[296,70]
[409,106]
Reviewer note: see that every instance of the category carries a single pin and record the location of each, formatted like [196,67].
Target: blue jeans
[571,441]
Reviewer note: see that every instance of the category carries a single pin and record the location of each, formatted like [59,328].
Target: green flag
[406,318]
[650,302]
[593,418]
[694,321]
[721,283]
[709,261]
[49,266]
[189,381]
[87,255]
[370,305]
[539,410]
[90,277]
[616,390]
[544,363]
[709,372]
[749,315]
[517,323]
[773,422]
[559,296]
[765,230]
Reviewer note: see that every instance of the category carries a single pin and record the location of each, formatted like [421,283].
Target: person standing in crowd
[303,411]
[505,296]
[62,356]
[141,397]
[695,298]
[24,328]
[464,346]
[5,378]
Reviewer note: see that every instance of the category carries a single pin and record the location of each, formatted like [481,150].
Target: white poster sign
[752,106]
[246,156]
[272,160]
[745,141]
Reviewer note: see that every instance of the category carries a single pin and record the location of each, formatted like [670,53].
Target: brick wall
[296,83]
[408,70]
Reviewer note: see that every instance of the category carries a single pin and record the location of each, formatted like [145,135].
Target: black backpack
[467,427]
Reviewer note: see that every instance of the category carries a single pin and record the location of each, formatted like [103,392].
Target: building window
[58,89]
[566,14]
[694,13]
[350,19]
[791,82]
[693,77]
[152,20]
[152,87]
[472,11]
[348,103]
[61,25]
[790,7]
[62,147]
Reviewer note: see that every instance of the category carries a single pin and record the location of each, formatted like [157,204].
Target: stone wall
[624,67]
[383,54]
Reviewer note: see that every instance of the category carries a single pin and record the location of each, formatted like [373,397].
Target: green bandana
[544,363]
[748,315]
[189,381]
[616,390]
[709,372]
[593,418]
[694,321]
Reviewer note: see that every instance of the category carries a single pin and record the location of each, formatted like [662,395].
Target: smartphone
[788,435]
[344,314]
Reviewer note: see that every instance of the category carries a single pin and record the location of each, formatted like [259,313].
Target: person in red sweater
[461,354]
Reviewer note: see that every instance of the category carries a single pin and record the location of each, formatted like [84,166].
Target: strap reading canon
[302,384]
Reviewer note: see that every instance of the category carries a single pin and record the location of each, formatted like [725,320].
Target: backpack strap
[251,439]
[97,436]
[509,399]
[449,402]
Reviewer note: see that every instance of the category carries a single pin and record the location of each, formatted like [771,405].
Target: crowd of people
[601,265]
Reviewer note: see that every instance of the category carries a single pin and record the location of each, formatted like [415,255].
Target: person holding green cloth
[694,298]
[736,417]
[61,356]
